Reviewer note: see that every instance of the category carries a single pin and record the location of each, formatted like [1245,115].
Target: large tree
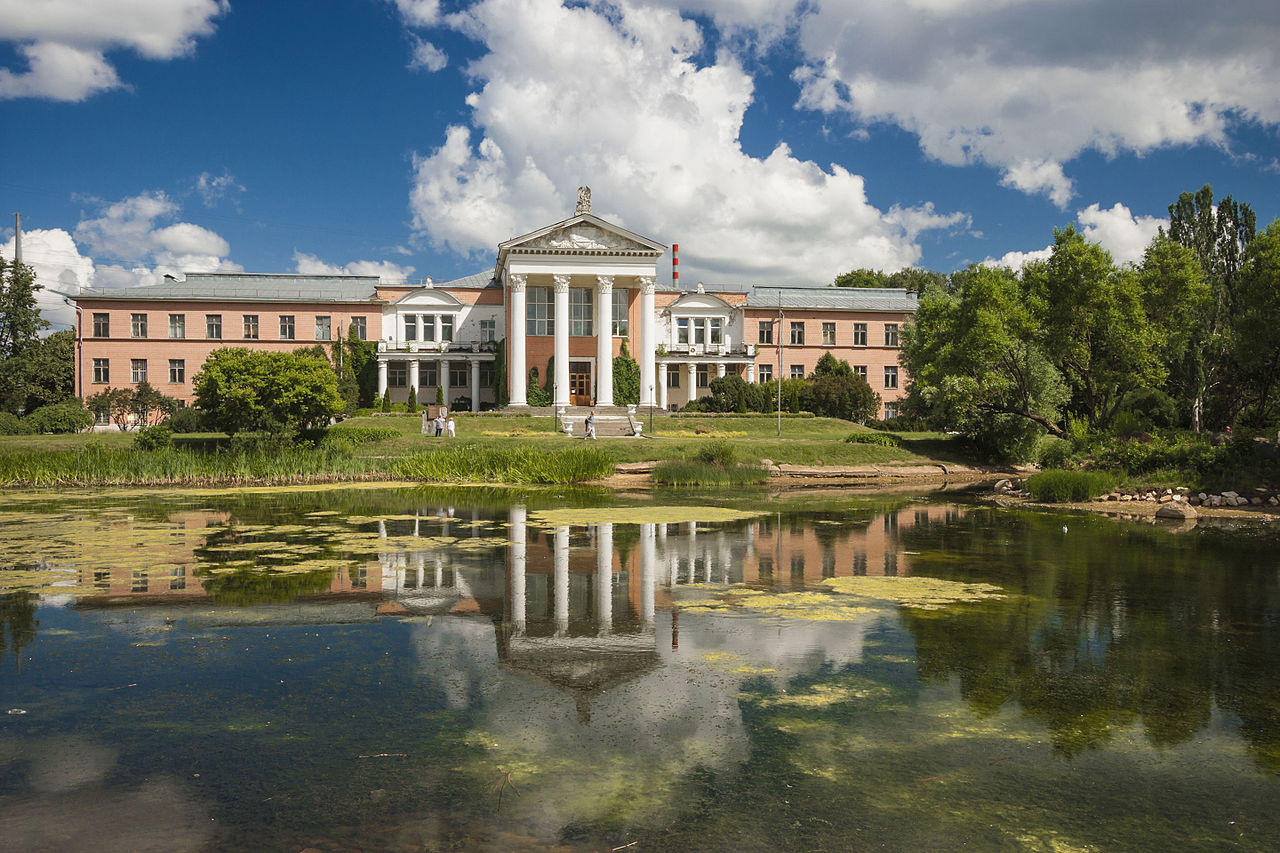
[1257,338]
[245,390]
[20,326]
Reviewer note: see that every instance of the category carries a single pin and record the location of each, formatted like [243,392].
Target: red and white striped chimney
[675,265]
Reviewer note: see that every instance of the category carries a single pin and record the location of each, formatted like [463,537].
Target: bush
[67,416]
[461,403]
[882,439]
[716,453]
[411,405]
[11,424]
[690,472]
[155,437]
[1063,486]
[188,420]
[1054,452]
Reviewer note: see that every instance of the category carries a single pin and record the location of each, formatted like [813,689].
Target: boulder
[1177,511]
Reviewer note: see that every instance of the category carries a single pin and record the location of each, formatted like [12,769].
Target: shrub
[716,453]
[188,420]
[1054,452]
[386,400]
[11,424]
[1062,486]
[155,437]
[411,405]
[883,439]
[692,472]
[67,416]
[461,403]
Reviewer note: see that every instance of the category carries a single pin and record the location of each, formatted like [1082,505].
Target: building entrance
[580,383]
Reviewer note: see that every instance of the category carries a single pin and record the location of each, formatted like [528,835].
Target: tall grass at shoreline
[692,472]
[520,464]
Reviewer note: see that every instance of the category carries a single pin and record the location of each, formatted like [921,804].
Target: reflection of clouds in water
[792,647]
[459,656]
[67,805]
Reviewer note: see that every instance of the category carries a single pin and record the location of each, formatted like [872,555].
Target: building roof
[251,287]
[832,298]
[478,279]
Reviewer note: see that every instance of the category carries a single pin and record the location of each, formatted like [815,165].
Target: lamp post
[650,408]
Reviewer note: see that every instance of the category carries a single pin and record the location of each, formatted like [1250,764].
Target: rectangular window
[891,376]
[286,327]
[891,334]
[101,371]
[397,374]
[620,322]
[428,375]
[487,374]
[715,333]
[137,370]
[541,312]
[488,330]
[764,373]
[828,334]
[446,327]
[250,327]
[177,371]
[178,578]
[581,302]
[428,327]
[138,325]
[797,333]
[859,334]
[358,331]
[177,326]
[766,331]
[700,332]
[102,325]
[213,326]
[860,370]
[797,371]
[323,328]
[673,376]
[682,330]
[890,410]
[411,328]
[458,377]
[703,376]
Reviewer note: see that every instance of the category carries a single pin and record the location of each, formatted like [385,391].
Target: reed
[695,472]
[520,464]
[1062,486]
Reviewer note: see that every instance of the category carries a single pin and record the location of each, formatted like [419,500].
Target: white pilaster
[751,374]
[444,382]
[561,595]
[475,385]
[517,371]
[604,340]
[561,392]
[604,578]
[382,378]
[648,343]
[438,331]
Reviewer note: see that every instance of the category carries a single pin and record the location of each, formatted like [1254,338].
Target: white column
[475,385]
[382,378]
[604,340]
[692,370]
[660,370]
[604,578]
[648,343]
[413,378]
[561,563]
[720,369]
[439,341]
[516,544]
[517,371]
[444,382]
[648,564]
[561,392]
[751,373]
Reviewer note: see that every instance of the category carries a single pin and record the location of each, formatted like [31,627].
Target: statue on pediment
[584,201]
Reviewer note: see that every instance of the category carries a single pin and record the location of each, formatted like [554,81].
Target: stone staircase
[610,420]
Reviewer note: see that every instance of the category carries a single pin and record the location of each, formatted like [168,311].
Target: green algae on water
[578,517]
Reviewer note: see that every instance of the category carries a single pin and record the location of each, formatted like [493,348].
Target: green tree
[41,373]
[149,406]
[386,400]
[412,405]
[244,390]
[862,278]
[115,404]
[20,320]
[626,378]
[1257,338]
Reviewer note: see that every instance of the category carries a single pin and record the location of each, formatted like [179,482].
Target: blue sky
[776,142]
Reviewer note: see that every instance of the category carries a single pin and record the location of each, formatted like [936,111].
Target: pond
[415,669]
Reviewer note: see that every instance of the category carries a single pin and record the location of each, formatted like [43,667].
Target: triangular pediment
[428,298]
[700,303]
[585,233]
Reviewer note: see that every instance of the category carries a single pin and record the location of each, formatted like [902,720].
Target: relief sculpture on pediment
[583,236]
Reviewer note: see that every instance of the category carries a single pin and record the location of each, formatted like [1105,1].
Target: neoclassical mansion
[561,300]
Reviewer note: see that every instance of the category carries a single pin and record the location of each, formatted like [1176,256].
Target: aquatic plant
[521,464]
[690,472]
[1060,486]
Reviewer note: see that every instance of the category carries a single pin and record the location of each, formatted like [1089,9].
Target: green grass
[693,472]
[1064,486]
[521,464]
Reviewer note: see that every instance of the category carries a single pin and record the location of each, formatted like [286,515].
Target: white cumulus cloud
[64,41]
[609,95]
[306,264]
[58,265]
[1116,229]
[427,55]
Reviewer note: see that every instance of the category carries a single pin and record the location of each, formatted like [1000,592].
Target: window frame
[138,325]
[766,333]
[859,334]
[102,324]
[797,333]
[358,328]
[797,371]
[324,323]
[288,327]
[397,374]
[102,371]
[764,373]
[891,377]
[250,326]
[213,327]
[177,327]
[177,368]
[540,312]
[620,319]
[828,333]
[137,370]
[582,303]
[891,334]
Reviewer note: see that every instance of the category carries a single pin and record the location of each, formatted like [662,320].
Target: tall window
[859,334]
[581,301]
[138,370]
[703,376]
[764,373]
[860,370]
[251,327]
[446,327]
[102,325]
[715,334]
[487,374]
[397,374]
[673,376]
[890,410]
[286,327]
[891,334]
[797,333]
[138,325]
[797,371]
[358,331]
[488,330]
[324,328]
[177,326]
[213,326]
[177,371]
[411,328]
[458,374]
[699,333]
[766,331]
[828,334]
[891,376]
[428,375]
[541,312]
[101,371]
[682,330]
[620,322]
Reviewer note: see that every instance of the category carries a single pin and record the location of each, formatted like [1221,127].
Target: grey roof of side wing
[252,287]
[479,279]
[833,298]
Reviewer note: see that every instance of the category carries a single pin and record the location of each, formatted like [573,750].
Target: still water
[409,669]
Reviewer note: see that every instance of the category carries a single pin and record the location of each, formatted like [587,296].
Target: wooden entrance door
[580,383]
